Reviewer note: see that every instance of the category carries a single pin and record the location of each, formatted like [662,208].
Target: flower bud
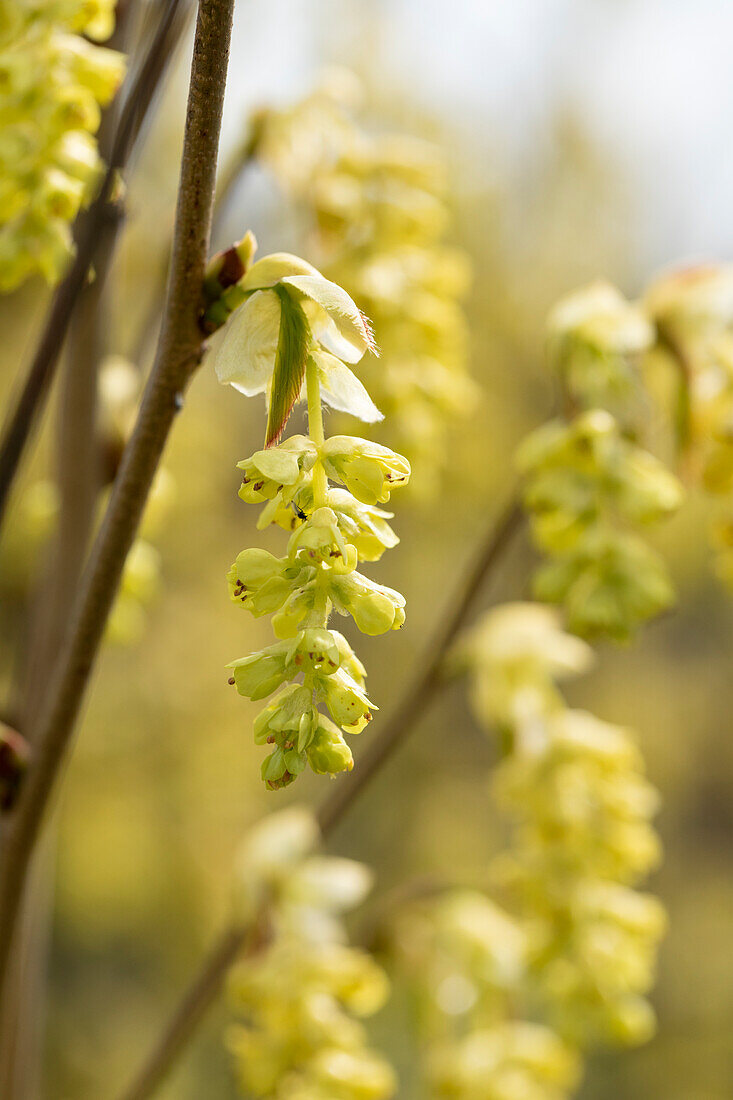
[328,753]
[229,266]
[267,473]
[14,756]
[261,582]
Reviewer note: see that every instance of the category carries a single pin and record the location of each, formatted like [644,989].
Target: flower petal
[271,269]
[331,882]
[350,323]
[342,390]
[244,357]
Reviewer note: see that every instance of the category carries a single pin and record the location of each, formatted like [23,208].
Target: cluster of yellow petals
[53,83]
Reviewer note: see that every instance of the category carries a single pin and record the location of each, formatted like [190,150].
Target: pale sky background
[652,79]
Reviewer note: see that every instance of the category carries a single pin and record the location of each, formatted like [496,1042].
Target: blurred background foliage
[165,775]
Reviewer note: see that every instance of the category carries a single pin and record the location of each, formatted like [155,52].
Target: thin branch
[77,468]
[178,355]
[90,240]
[77,475]
[234,944]
[234,940]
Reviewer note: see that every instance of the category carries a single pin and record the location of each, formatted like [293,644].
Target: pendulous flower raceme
[378,208]
[580,807]
[468,962]
[588,486]
[301,999]
[294,333]
[53,81]
[512,994]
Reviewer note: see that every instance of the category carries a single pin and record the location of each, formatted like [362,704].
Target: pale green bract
[259,348]
[301,1001]
[53,83]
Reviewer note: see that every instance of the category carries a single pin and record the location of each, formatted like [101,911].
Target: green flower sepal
[374,608]
[328,753]
[260,673]
[275,477]
[363,525]
[368,470]
[262,583]
[346,700]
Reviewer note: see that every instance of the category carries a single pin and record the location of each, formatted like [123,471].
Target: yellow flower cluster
[587,485]
[53,81]
[510,996]
[303,996]
[379,210]
[468,959]
[693,311]
[574,790]
[293,333]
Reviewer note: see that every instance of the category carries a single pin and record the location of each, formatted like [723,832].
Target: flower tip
[274,433]
[372,344]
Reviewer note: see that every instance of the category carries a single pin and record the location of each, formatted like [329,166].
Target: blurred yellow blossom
[53,82]
[302,997]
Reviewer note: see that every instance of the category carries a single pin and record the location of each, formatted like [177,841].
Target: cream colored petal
[271,269]
[245,355]
[350,323]
[342,390]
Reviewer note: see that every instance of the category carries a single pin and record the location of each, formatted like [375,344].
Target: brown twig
[207,983]
[77,474]
[232,945]
[90,240]
[178,355]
